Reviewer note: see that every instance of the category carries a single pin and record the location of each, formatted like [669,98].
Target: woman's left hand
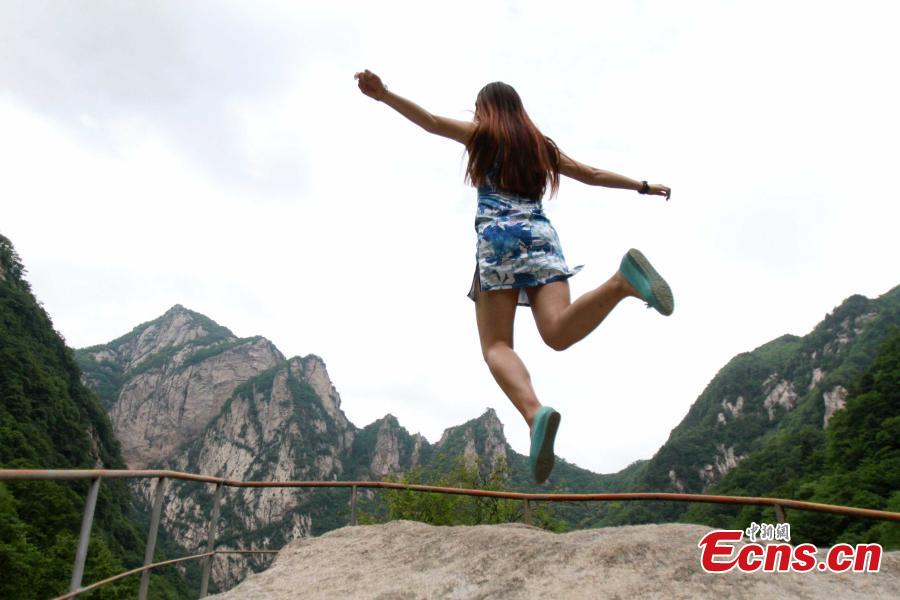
[657,189]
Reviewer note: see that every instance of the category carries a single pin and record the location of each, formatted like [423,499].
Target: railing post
[151,538]
[353,506]
[527,511]
[779,513]
[211,540]
[86,522]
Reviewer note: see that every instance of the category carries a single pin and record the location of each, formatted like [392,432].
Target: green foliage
[11,265]
[216,345]
[105,377]
[779,351]
[215,349]
[48,419]
[438,508]
[39,522]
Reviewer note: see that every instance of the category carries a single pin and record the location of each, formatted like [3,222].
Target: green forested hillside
[762,426]
[48,419]
[855,461]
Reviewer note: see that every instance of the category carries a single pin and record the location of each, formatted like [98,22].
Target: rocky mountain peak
[164,381]
[177,308]
[388,420]
[490,420]
[481,437]
[311,368]
[388,446]
[176,328]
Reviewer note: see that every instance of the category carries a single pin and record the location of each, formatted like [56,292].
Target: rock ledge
[404,559]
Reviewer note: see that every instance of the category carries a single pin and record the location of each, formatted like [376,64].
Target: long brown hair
[527,158]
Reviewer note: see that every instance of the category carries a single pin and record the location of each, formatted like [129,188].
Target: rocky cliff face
[174,376]
[184,393]
[285,424]
[480,438]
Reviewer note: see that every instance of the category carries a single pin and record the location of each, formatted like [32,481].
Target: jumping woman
[519,260]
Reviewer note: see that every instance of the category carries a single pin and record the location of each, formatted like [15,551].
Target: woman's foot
[649,285]
[543,434]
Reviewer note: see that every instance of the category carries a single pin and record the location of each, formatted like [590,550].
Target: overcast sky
[220,155]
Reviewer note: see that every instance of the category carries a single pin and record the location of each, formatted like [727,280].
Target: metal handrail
[97,584]
[659,496]
[95,475]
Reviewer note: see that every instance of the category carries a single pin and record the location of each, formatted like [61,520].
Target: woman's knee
[493,353]
[555,340]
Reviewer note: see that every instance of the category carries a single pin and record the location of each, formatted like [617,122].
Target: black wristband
[645,188]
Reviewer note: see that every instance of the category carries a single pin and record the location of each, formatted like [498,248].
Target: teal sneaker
[543,433]
[653,289]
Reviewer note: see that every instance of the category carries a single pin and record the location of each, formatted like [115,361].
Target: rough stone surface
[258,439]
[418,442]
[783,395]
[312,369]
[817,376]
[735,409]
[162,408]
[403,559]
[673,478]
[723,461]
[386,458]
[177,327]
[495,444]
[835,400]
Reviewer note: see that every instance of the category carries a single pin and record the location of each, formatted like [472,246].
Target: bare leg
[562,323]
[495,311]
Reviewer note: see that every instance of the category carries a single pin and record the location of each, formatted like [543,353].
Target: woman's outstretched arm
[594,176]
[370,85]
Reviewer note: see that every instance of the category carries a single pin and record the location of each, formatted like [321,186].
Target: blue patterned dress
[517,245]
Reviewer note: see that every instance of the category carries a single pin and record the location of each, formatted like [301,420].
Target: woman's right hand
[370,84]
